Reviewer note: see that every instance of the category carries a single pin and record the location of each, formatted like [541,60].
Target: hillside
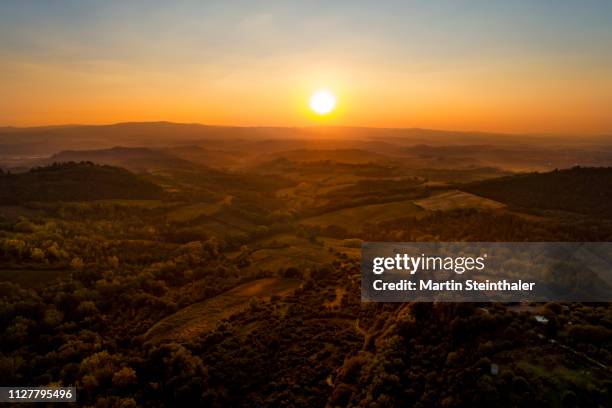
[133,158]
[47,140]
[205,157]
[585,190]
[519,157]
[354,156]
[204,316]
[74,182]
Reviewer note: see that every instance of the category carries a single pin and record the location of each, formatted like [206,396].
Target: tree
[77,263]
[124,377]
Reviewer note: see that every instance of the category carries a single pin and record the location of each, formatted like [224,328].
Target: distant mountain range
[51,139]
[182,146]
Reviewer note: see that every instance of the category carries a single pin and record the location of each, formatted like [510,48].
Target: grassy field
[204,316]
[349,247]
[454,199]
[300,249]
[302,254]
[136,203]
[193,211]
[357,216]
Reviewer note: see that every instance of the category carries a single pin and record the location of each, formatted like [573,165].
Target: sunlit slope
[133,158]
[355,218]
[203,316]
[454,199]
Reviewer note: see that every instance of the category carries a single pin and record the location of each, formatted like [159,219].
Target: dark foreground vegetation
[72,181]
[579,189]
[92,258]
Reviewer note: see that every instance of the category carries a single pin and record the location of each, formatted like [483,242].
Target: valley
[224,265]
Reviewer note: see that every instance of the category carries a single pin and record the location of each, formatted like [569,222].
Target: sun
[322,102]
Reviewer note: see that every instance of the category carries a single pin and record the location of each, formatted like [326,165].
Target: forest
[578,189]
[70,181]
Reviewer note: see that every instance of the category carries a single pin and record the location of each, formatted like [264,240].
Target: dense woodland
[579,189]
[93,257]
[72,181]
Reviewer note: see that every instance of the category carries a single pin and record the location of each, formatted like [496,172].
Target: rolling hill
[46,140]
[204,316]
[74,182]
[133,158]
[522,156]
[584,190]
[352,156]
[206,157]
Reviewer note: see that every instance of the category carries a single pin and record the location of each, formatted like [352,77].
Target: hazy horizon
[310,127]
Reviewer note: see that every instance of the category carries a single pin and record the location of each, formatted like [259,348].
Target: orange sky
[258,65]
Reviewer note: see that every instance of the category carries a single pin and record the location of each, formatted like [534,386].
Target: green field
[455,199]
[193,211]
[135,203]
[286,250]
[349,247]
[204,316]
[297,251]
[349,218]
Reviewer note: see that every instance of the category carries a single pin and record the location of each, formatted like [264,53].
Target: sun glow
[322,102]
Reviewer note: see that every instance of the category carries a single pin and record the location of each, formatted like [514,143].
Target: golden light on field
[322,102]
